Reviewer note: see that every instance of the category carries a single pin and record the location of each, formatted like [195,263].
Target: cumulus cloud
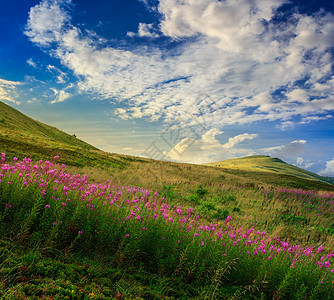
[208,148]
[8,90]
[46,21]
[303,164]
[238,139]
[226,49]
[60,96]
[234,24]
[145,30]
[329,170]
[287,152]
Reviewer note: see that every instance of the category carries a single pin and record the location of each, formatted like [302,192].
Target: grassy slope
[22,136]
[264,163]
[26,130]
[227,191]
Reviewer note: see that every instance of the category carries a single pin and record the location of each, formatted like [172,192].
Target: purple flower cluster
[142,206]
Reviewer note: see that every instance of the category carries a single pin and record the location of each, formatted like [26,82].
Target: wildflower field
[64,237]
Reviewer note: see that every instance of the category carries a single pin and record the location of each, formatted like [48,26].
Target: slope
[265,163]
[22,136]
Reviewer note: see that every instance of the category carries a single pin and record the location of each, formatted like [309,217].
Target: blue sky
[192,81]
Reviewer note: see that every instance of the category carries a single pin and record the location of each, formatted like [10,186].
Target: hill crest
[266,163]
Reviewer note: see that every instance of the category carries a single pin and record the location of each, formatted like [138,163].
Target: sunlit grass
[226,252]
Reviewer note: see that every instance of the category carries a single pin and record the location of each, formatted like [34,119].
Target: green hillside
[116,234]
[265,163]
[15,125]
[22,136]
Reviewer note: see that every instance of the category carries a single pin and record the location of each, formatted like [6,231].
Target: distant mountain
[265,163]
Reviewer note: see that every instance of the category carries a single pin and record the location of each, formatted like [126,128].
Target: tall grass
[44,207]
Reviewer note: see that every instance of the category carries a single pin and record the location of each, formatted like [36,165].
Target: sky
[193,81]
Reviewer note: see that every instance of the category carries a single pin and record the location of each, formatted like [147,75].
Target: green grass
[22,136]
[28,130]
[45,255]
[262,163]
[43,261]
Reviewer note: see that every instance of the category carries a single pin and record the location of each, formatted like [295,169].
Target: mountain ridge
[270,164]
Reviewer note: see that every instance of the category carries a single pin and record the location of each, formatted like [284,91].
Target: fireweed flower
[140,201]
[228,219]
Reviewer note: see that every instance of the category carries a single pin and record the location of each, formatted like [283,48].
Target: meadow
[72,235]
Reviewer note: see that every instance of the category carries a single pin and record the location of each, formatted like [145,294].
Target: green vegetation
[63,237]
[21,136]
[40,260]
[262,163]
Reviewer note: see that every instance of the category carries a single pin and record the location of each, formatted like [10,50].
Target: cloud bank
[329,170]
[252,65]
[208,148]
[8,91]
[287,152]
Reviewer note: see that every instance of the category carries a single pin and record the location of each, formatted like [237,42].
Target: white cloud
[31,63]
[145,30]
[308,165]
[303,164]
[208,148]
[61,76]
[315,118]
[8,90]
[234,24]
[286,125]
[238,139]
[288,152]
[329,170]
[60,96]
[300,161]
[46,21]
[121,112]
[233,50]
